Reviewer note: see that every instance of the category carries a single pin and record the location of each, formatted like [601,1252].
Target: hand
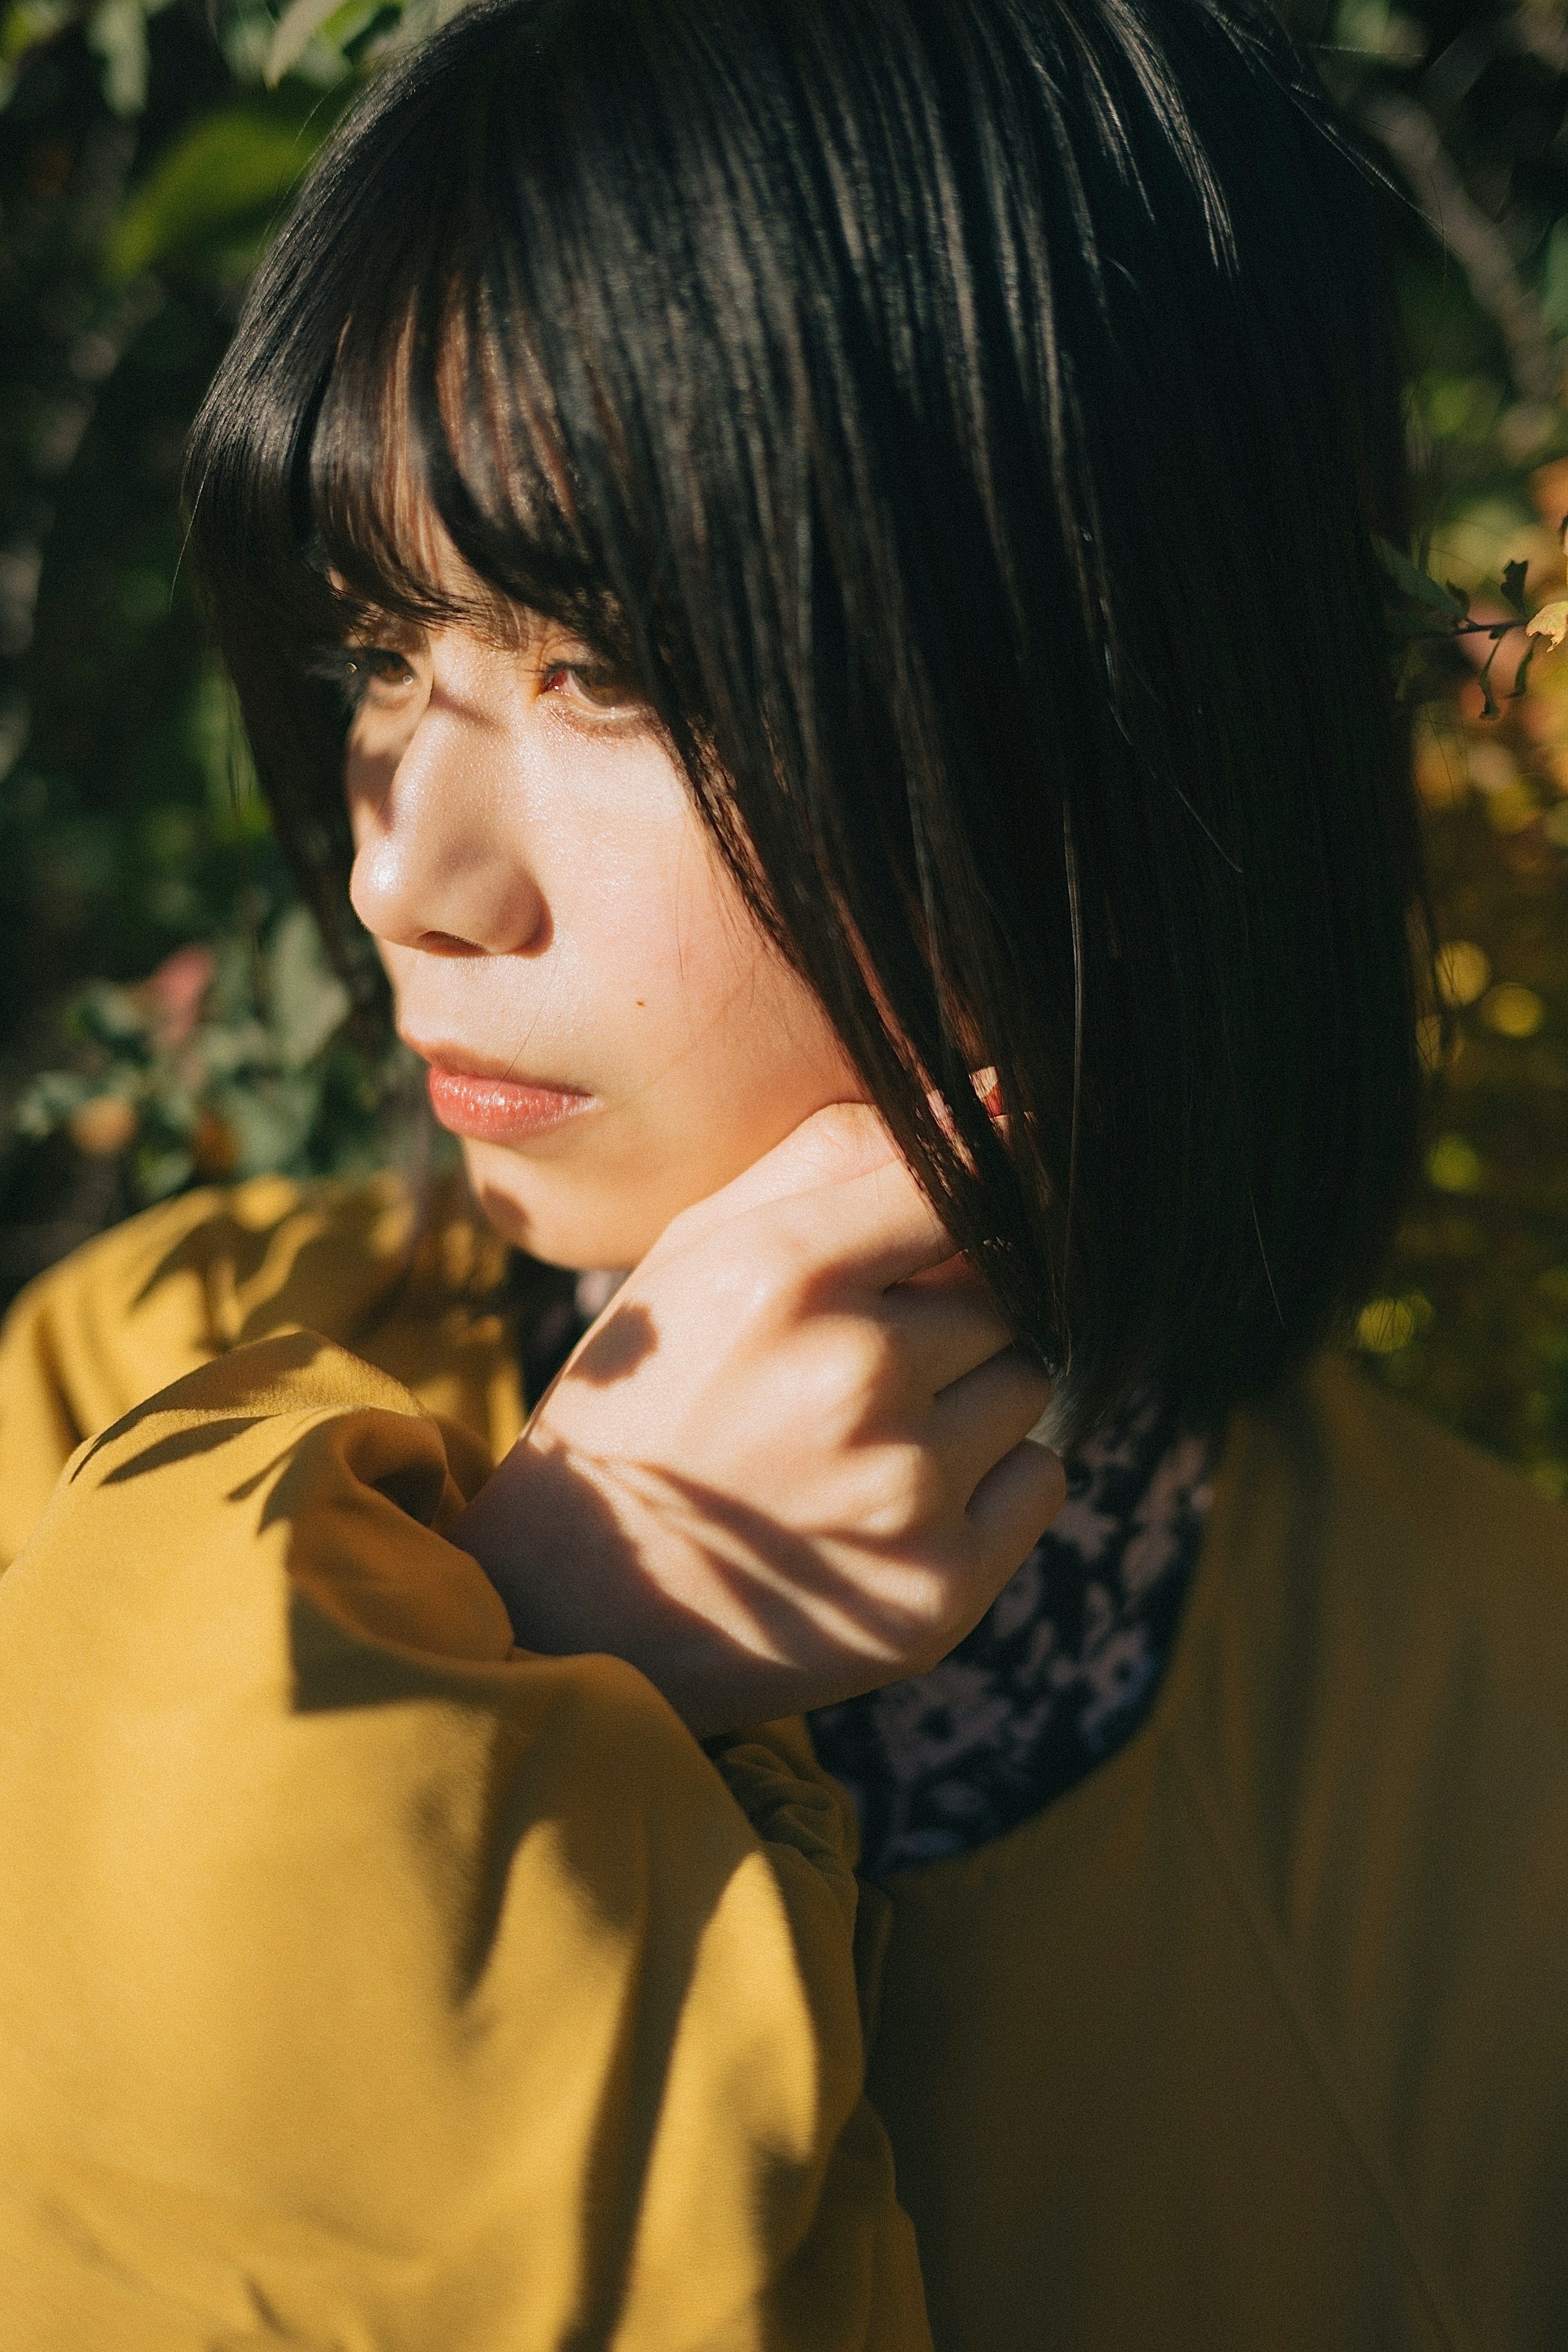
[790,1462]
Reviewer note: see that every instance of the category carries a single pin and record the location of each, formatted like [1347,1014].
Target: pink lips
[499,1110]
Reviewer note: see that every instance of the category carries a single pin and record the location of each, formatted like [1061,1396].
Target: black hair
[968,420]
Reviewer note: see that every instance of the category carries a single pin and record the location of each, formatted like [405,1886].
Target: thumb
[835,1145]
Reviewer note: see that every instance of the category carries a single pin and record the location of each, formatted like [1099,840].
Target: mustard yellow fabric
[410,1288]
[364,1983]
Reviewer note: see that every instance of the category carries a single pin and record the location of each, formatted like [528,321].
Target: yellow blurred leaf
[1512,809]
[1453,1165]
[1440,773]
[1493,768]
[1513,1010]
[1463,971]
[102,1126]
[1429,1041]
[1385,1325]
[1551,621]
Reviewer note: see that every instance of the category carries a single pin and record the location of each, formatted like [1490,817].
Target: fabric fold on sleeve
[364,1981]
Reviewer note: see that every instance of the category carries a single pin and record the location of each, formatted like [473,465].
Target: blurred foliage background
[166,1013]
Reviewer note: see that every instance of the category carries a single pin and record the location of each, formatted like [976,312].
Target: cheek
[667,921]
[720,993]
[706,1075]
[716,1048]
[760,1056]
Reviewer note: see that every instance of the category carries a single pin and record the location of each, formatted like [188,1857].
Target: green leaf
[112,1016]
[269,1119]
[238,1044]
[306,1002]
[341,21]
[28,23]
[222,171]
[215,739]
[1418,584]
[117,33]
[48,1102]
[159,1170]
[296,28]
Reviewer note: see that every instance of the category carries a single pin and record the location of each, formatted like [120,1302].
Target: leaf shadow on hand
[625,1337]
[758,1619]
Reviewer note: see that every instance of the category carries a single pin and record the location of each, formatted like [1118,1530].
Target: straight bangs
[426,442]
[922,402]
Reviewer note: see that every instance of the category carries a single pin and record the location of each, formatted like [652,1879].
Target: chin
[559,1223]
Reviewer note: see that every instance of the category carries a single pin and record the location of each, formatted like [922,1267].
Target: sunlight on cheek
[644,983]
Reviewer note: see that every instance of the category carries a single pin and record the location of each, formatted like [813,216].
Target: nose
[440,863]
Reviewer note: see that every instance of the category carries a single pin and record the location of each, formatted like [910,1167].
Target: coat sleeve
[367,1982]
[409,1285]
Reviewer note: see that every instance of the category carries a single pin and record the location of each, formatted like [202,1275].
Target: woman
[831,549]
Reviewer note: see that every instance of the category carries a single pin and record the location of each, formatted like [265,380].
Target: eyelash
[352,670]
[594,680]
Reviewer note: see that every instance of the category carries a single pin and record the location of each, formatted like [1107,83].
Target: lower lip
[496,1110]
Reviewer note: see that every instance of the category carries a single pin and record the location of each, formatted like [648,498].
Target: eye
[378,674]
[366,667]
[591,686]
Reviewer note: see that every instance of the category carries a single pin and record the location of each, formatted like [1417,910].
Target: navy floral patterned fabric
[1059,1673]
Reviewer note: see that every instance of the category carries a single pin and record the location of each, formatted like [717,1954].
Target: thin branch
[1405,128]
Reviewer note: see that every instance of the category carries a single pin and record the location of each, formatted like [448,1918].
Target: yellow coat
[367,1984]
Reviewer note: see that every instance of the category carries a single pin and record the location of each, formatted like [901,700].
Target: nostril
[447,943]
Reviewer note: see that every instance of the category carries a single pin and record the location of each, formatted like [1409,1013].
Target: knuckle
[788,1265]
[870,1359]
[852,1379]
[934,1618]
[902,1494]
[761,1286]
[836,1402]
[843,1140]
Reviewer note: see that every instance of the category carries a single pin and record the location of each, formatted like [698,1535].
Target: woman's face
[606,1028]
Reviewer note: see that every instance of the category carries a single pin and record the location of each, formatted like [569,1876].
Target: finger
[979,1417]
[950,1275]
[872,1231]
[945,1327]
[839,1187]
[1016,1502]
[841,1141]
